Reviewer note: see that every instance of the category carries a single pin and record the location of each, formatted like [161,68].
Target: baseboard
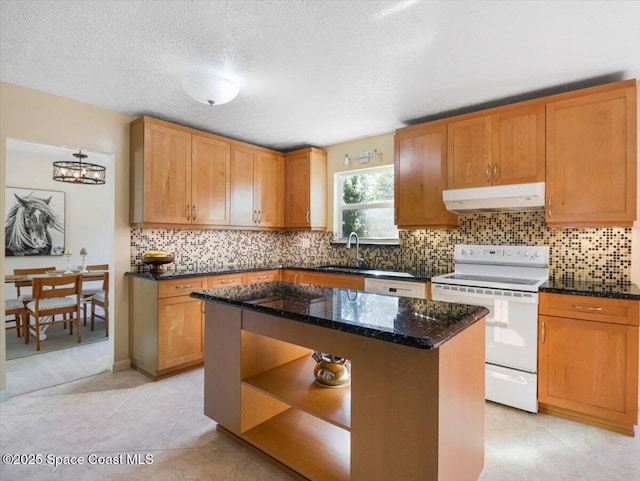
[121,365]
[4,395]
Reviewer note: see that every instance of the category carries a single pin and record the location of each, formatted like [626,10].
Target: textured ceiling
[314,72]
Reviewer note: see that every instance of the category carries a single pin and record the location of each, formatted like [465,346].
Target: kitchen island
[414,409]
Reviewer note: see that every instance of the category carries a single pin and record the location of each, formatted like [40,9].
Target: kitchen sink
[363,270]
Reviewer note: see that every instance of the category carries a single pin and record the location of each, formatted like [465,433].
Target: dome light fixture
[79,172]
[210,89]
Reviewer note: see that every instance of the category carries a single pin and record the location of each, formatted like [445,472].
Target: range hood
[514,197]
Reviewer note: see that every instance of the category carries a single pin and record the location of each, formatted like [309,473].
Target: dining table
[86,275]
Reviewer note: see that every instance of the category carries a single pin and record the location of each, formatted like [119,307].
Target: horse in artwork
[29,222]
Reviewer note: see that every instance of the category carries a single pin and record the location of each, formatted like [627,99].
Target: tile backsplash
[597,254]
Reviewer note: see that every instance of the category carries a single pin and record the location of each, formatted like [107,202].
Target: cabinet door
[167,175]
[420,178]
[588,367]
[591,159]
[243,212]
[297,191]
[469,145]
[518,146]
[210,181]
[268,172]
[180,331]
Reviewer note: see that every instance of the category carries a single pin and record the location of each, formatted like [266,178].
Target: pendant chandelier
[79,172]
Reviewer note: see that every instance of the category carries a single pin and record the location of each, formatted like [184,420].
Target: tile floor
[125,413]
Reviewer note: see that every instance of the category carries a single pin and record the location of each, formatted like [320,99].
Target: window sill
[372,242]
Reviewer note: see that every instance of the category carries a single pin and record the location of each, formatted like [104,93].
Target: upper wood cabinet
[591,143]
[210,181]
[160,173]
[306,189]
[506,147]
[257,180]
[177,177]
[420,178]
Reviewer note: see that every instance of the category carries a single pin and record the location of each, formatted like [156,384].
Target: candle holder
[68,271]
[84,262]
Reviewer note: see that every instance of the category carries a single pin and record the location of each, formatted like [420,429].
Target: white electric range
[505,280]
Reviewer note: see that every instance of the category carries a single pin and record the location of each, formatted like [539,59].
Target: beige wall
[32,115]
[335,157]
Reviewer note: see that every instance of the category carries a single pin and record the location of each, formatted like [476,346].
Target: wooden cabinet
[506,147]
[160,173]
[177,177]
[588,360]
[326,279]
[210,181]
[181,176]
[306,189]
[591,143]
[167,326]
[257,180]
[420,177]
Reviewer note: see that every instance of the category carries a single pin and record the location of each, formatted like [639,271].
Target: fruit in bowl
[157,259]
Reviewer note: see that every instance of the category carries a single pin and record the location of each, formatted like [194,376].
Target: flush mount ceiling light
[79,172]
[210,89]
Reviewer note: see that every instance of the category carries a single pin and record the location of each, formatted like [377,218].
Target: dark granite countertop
[595,289]
[416,323]
[173,273]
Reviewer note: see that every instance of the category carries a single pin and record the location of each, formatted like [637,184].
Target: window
[364,204]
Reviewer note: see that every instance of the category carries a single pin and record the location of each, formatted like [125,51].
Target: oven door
[512,322]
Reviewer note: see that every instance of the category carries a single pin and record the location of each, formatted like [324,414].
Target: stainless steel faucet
[359,260]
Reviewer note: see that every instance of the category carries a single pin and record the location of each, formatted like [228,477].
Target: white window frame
[339,207]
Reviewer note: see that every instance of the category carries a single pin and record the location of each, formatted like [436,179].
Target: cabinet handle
[261,277]
[193,212]
[188,212]
[254,216]
[495,172]
[227,281]
[487,173]
[295,278]
[259,217]
[587,308]
[544,332]
[308,216]
[549,200]
[184,286]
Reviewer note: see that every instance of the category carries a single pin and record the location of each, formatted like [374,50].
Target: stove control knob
[471,252]
[508,252]
[528,254]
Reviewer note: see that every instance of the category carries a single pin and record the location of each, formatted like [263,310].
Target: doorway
[89,224]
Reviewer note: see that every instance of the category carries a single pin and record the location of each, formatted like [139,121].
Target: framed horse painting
[34,222]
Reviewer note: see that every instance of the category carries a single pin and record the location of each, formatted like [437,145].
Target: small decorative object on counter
[83,254]
[67,254]
[330,370]
[156,259]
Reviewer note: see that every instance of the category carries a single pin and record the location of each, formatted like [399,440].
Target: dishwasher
[390,287]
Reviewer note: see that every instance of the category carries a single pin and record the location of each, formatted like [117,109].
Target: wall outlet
[306,243]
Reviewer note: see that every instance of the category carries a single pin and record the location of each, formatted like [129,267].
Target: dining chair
[101,298]
[89,292]
[25,296]
[15,308]
[53,296]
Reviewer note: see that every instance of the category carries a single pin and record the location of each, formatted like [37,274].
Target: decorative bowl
[157,262]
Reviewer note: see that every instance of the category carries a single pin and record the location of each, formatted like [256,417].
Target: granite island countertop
[417,323]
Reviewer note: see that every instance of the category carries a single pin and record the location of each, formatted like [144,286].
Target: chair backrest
[59,286]
[105,285]
[23,272]
[98,267]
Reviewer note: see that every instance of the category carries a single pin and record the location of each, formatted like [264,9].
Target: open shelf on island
[312,447]
[293,383]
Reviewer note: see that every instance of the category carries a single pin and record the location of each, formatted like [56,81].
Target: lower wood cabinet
[588,360]
[167,326]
